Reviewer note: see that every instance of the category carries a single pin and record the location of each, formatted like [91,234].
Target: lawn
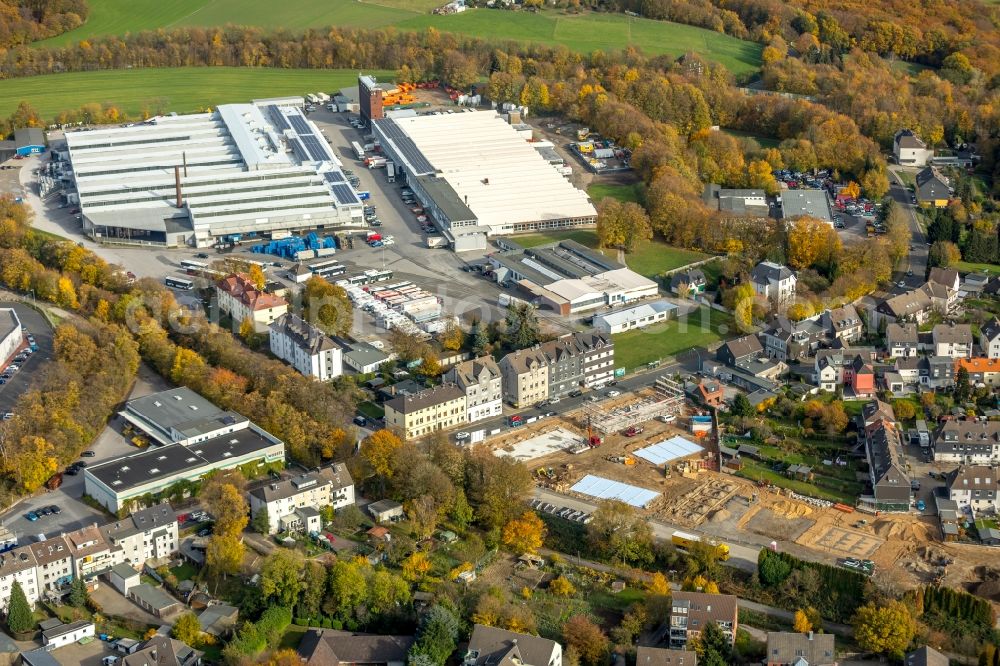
[183,89]
[970,267]
[598,191]
[584,32]
[371,410]
[764,141]
[185,571]
[651,259]
[703,327]
[755,471]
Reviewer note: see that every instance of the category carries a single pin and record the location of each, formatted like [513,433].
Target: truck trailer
[686,541]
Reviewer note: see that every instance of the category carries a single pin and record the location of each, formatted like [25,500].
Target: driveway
[918,256]
[114,603]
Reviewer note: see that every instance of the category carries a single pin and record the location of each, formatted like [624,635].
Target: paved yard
[114,603]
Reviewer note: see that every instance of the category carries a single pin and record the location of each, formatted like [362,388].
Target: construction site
[641,449]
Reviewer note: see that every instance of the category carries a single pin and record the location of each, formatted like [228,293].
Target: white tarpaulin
[602,488]
[667,450]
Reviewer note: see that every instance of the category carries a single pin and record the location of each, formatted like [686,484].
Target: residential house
[849,369]
[952,340]
[331,647]
[926,656]
[932,188]
[482,382]
[92,554]
[652,656]
[147,535]
[943,298]
[989,338]
[906,371]
[710,393]
[947,277]
[786,648]
[874,412]
[844,324]
[976,487]
[909,150]
[385,511]
[54,565]
[887,468]
[305,347]
[218,620]
[162,650]
[969,442]
[773,282]
[691,611]
[525,377]
[239,298]
[633,318]
[913,306]
[739,350]
[785,340]
[937,372]
[982,371]
[433,409]
[901,340]
[364,358]
[689,283]
[285,500]
[18,564]
[492,646]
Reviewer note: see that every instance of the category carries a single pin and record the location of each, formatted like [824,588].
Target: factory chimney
[185,156]
[177,182]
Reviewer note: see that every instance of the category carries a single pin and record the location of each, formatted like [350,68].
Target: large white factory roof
[500,176]
[242,168]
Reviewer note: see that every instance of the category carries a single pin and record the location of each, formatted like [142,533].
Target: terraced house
[420,414]
[482,382]
[976,487]
[968,442]
[555,368]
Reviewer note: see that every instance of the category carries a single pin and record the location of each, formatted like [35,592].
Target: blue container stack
[289,247]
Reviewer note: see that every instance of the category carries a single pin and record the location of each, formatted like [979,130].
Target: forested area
[24,21]
[97,360]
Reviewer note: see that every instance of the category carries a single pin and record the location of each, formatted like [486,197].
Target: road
[917,260]
[39,327]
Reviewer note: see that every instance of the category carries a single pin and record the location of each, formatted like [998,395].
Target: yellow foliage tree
[66,296]
[884,629]
[524,534]
[380,450]
[808,241]
[852,190]
[459,570]
[561,587]
[711,587]
[246,329]
[801,623]
[416,566]
[35,462]
[257,277]
[452,337]
[224,554]
[658,584]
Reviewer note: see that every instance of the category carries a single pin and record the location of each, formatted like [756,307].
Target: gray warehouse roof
[179,409]
[805,202]
[446,198]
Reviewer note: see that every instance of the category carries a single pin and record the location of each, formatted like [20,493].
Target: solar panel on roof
[316,147]
[344,194]
[299,150]
[335,176]
[278,118]
[300,125]
[405,146]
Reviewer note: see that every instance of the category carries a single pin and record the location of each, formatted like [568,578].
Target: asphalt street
[917,263]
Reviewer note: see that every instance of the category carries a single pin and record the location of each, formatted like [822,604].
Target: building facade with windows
[305,347]
[282,500]
[433,409]
[242,301]
[691,611]
[482,381]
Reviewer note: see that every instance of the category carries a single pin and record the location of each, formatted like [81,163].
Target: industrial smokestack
[185,156]
[177,182]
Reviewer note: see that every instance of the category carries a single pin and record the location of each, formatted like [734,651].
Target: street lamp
[32,291]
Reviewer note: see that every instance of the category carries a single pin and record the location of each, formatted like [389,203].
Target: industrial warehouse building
[478,177]
[201,439]
[568,277]
[814,203]
[244,170]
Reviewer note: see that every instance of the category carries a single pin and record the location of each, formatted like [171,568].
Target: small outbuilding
[64,634]
[154,600]
[385,511]
[123,577]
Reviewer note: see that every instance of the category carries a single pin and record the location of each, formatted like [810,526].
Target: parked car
[32,516]
[461,435]
[88,454]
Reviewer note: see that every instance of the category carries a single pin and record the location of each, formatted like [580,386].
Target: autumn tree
[944,254]
[257,277]
[416,566]
[496,486]
[346,588]
[225,501]
[224,553]
[327,306]
[620,532]
[562,587]
[811,241]
[280,576]
[35,462]
[622,224]
[801,622]
[187,629]
[525,534]
[587,639]
[380,450]
[886,629]
[452,338]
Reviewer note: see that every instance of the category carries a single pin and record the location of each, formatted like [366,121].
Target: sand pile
[720,515]
[902,531]
[789,509]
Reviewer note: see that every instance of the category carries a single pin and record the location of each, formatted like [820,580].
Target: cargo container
[686,541]
[390,172]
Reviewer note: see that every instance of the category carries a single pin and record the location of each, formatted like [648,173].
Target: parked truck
[437,241]
[686,541]
[390,171]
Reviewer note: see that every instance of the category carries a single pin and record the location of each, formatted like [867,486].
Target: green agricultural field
[970,267]
[183,89]
[764,141]
[598,191]
[703,327]
[585,32]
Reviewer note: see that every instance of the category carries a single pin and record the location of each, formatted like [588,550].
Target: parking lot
[73,513]
[21,380]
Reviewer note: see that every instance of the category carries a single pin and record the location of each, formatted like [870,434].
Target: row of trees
[24,21]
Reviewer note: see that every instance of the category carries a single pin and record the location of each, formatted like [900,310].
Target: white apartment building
[976,487]
[145,535]
[989,338]
[908,149]
[292,504]
[305,347]
[18,565]
[482,382]
[11,335]
[968,442]
[419,414]
[952,340]
[53,564]
[774,282]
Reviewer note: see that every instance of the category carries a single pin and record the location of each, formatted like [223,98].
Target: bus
[179,283]
[191,265]
[359,152]
[327,269]
[370,277]
[264,265]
